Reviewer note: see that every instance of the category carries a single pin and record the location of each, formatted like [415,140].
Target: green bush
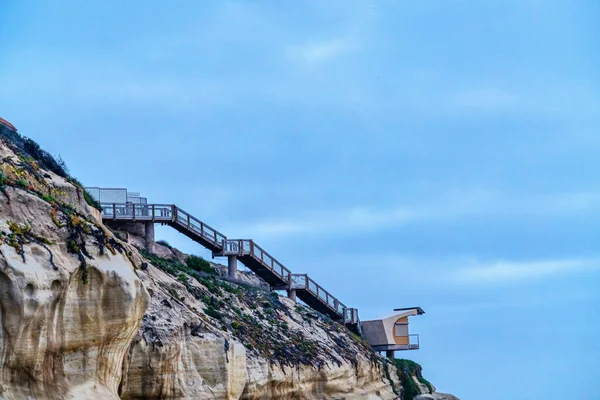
[164,243]
[211,312]
[406,370]
[91,201]
[389,378]
[200,264]
[72,247]
[45,159]
[48,198]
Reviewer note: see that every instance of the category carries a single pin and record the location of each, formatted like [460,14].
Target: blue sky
[433,153]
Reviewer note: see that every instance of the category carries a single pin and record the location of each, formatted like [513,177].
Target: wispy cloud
[475,203]
[499,272]
[316,53]
[324,222]
[484,99]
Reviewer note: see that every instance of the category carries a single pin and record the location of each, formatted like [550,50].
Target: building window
[401,329]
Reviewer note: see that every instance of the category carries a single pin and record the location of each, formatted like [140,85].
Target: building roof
[419,309]
[400,313]
[7,124]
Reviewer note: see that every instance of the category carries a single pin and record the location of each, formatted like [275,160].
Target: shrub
[406,370]
[389,378]
[211,312]
[3,179]
[91,201]
[44,159]
[199,264]
[164,243]
[48,198]
[72,247]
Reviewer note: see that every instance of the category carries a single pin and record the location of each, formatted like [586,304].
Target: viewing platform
[391,334]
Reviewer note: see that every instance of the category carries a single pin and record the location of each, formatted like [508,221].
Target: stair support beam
[232,266]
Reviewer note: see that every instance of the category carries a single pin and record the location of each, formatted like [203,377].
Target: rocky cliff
[86,315]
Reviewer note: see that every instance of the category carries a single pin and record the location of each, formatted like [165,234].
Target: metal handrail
[318,291]
[238,247]
[206,231]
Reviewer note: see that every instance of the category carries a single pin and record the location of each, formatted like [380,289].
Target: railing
[242,247]
[413,341]
[146,212]
[302,281]
[299,281]
[237,247]
[351,317]
[245,247]
[200,228]
[162,212]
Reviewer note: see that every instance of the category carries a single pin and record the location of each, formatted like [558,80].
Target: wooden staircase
[245,250]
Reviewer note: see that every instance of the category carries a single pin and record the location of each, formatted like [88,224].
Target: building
[115,195]
[391,333]
[7,125]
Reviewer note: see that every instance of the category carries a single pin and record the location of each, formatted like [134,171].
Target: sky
[439,153]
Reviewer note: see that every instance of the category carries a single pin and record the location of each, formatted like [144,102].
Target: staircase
[247,251]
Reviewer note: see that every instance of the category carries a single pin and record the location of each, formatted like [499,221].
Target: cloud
[326,222]
[514,271]
[484,99]
[452,204]
[317,53]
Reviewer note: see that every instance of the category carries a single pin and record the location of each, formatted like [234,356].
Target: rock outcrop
[87,315]
[65,324]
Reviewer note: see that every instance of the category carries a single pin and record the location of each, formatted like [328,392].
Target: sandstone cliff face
[84,315]
[62,336]
[181,352]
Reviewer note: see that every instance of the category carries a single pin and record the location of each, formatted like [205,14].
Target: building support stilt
[291,293]
[149,236]
[232,267]
[389,354]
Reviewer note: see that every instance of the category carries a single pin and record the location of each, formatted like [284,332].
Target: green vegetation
[406,370]
[3,179]
[48,198]
[175,268]
[164,243]
[386,369]
[86,195]
[211,312]
[200,264]
[43,158]
[32,158]
[72,247]
[23,234]
[90,200]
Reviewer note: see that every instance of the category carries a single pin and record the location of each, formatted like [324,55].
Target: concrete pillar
[149,236]
[232,266]
[291,294]
[389,354]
